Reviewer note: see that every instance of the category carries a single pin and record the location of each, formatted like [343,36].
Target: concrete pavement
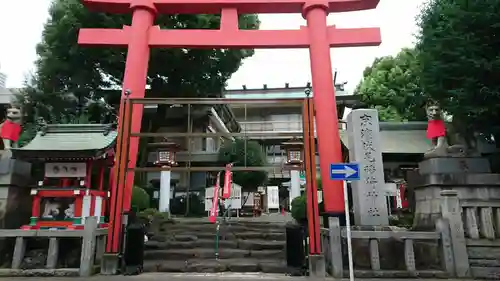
[203,277]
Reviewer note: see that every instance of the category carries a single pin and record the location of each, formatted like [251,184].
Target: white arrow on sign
[347,171]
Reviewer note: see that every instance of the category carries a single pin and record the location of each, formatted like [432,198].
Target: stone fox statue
[436,132]
[10,129]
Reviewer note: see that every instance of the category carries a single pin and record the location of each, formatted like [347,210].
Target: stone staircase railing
[334,241]
[475,224]
[93,247]
[467,235]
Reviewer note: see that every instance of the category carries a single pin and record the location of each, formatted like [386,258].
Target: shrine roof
[69,141]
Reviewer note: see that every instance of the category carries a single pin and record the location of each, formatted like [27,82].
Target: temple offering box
[76,160]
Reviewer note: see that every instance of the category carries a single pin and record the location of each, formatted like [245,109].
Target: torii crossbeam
[317,36]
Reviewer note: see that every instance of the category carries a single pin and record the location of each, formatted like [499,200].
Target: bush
[299,209]
[299,212]
[140,199]
[148,215]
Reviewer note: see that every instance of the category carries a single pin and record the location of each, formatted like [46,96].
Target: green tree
[459,61]
[73,75]
[391,85]
[244,153]
[32,126]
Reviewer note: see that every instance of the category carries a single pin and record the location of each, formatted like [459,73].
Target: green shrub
[299,212]
[299,208]
[140,199]
[149,214]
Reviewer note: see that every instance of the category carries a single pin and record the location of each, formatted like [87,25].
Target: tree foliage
[391,85]
[244,153]
[69,75]
[459,60]
[31,128]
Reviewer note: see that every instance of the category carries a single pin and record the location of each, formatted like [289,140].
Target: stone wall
[476,235]
[388,252]
[15,201]
[465,192]
[464,243]
[49,261]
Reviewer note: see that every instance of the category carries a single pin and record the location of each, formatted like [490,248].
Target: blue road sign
[344,171]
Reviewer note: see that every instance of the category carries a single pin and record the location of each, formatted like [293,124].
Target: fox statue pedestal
[15,199]
[471,177]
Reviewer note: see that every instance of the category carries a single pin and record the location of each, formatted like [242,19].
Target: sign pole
[346,172]
[348,230]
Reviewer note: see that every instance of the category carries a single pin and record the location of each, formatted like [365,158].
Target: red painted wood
[215,201]
[319,38]
[228,178]
[35,207]
[257,39]
[54,223]
[102,171]
[325,107]
[214,6]
[88,177]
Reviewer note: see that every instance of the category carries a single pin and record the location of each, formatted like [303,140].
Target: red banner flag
[228,177]
[215,201]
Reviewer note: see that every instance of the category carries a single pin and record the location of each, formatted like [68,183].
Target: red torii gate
[317,36]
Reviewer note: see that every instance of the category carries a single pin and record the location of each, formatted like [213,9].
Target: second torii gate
[317,36]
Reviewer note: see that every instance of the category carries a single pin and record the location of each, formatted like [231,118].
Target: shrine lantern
[294,151]
[165,153]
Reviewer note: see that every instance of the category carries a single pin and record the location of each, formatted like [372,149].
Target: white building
[5,94]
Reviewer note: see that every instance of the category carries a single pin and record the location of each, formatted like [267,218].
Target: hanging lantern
[294,152]
[165,152]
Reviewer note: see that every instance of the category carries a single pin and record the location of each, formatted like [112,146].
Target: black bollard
[133,257]
[295,250]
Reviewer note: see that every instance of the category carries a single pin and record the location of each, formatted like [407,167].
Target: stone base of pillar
[317,266]
[469,177]
[110,264]
[340,216]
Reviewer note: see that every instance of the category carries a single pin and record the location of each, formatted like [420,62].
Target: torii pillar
[317,36]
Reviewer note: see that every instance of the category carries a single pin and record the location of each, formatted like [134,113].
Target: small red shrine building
[71,164]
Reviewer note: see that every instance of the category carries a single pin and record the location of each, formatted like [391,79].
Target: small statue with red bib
[10,129]
[436,131]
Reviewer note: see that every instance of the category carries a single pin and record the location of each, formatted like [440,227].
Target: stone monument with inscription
[370,203]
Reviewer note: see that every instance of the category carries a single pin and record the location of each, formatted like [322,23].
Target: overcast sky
[21,31]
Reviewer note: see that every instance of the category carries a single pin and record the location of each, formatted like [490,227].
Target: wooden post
[451,210]
[374,255]
[410,257]
[100,248]
[53,253]
[487,222]
[443,226]
[88,247]
[19,250]
[335,247]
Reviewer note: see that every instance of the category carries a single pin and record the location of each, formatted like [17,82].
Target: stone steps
[189,246]
[209,243]
[213,227]
[224,235]
[222,228]
[212,265]
[207,253]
